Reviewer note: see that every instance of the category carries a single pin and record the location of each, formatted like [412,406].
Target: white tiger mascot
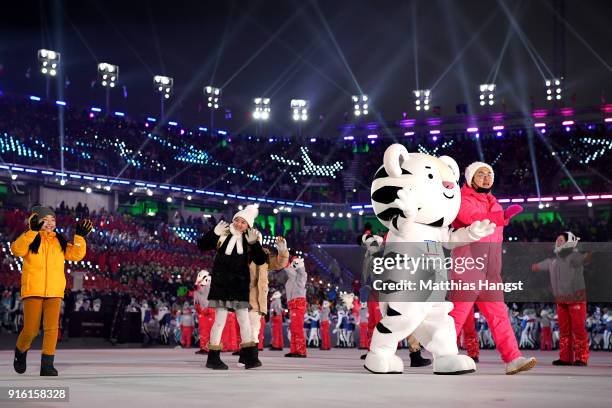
[417,197]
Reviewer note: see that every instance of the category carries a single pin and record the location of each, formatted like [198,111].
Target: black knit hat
[42,211]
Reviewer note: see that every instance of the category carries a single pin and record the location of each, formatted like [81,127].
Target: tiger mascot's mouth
[450,198]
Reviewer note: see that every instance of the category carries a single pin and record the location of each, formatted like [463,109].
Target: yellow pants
[33,308]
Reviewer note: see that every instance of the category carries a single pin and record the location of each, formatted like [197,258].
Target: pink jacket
[477,207]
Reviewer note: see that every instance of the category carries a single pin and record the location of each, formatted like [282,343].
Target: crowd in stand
[286,168]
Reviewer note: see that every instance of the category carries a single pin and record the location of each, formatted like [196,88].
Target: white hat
[571,243]
[249,214]
[471,170]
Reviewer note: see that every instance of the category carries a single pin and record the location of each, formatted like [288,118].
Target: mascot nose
[448,184]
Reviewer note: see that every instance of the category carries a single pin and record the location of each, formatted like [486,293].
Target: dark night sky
[182,39]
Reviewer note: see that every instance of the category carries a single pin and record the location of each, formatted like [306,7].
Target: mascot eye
[430,176]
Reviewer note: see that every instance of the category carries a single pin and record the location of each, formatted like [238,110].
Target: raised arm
[209,240]
[279,261]
[21,245]
[76,251]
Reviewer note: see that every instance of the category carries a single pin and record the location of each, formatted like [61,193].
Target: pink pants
[496,314]
[470,336]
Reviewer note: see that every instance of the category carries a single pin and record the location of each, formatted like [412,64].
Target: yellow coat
[43,273]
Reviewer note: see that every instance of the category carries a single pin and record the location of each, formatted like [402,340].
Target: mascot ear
[395,156]
[450,162]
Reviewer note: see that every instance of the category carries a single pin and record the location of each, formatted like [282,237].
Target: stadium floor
[177,378]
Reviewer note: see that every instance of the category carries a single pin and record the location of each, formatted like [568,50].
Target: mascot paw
[453,365]
[383,364]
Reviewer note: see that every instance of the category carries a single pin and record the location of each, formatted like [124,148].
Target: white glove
[481,229]
[281,244]
[407,203]
[222,228]
[251,236]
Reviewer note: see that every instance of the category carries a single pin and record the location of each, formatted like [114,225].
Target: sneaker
[520,364]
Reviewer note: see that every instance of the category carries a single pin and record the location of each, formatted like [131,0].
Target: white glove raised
[222,228]
[281,244]
[252,235]
[481,229]
[407,203]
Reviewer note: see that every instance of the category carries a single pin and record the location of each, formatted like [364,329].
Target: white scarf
[235,241]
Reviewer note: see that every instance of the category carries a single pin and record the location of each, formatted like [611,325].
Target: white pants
[428,321]
[242,315]
[255,319]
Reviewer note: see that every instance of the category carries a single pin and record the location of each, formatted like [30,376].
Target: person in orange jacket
[44,251]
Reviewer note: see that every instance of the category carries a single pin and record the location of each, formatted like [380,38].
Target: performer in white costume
[417,197]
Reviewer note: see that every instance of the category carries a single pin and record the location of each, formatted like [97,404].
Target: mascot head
[373,243]
[276,295]
[296,263]
[433,181]
[203,278]
[566,242]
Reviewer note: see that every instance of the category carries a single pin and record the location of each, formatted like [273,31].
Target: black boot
[19,363]
[214,358]
[46,366]
[236,353]
[201,351]
[241,359]
[561,363]
[250,356]
[416,360]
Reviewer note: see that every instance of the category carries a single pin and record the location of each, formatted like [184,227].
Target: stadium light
[554,89]
[360,104]
[299,108]
[108,74]
[163,85]
[262,109]
[213,95]
[49,62]
[422,99]
[487,94]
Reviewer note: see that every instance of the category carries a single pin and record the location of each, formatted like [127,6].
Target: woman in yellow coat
[44,251]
